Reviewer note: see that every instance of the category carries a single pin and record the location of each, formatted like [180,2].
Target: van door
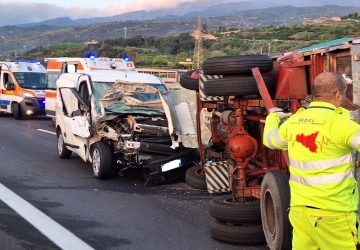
[74,121]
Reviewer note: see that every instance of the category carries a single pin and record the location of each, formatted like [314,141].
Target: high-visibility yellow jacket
[321,142]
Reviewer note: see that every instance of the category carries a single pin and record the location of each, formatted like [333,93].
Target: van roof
[99,63]
[31,67]
[108,76]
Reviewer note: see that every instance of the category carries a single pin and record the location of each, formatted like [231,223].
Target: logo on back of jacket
[313,141]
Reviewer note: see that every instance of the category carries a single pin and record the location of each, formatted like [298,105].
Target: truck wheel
[237,233]
[101,161]
[187,82]
[235,86]
[224,209]
[194,178]
[274,203]
[63,152]
[237,64]
[16,111]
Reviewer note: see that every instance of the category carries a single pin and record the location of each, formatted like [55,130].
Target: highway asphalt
[119,213]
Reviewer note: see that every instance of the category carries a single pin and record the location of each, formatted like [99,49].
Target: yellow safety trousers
[319,229]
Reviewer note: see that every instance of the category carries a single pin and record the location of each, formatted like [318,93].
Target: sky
[28,11]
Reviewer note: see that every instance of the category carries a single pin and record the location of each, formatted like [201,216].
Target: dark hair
[326,85]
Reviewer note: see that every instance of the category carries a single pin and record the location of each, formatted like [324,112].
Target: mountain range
[202,8]
[20,38]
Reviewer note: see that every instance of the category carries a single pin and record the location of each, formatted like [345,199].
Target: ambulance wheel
[63,152]
[237,233]
[195,178]
[16,111]
[237,64]
[235,86]
[224,209]
[274,204]
[101,161]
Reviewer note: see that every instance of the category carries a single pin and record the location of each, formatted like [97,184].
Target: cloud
[20,12]
[142,5]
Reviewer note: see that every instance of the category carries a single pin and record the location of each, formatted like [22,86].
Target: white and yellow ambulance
[57,66]
[22,88]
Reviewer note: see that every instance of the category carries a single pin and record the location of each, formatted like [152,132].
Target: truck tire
[187,82]
[63,152]
[274,203]
[194,178]
[225,210]
[235,86]
[237,64]
[16,112]
[237,233]
[101,160]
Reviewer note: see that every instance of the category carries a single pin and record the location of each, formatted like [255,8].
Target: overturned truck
[239,91]
[119,121]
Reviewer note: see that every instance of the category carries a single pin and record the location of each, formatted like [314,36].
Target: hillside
[168,51]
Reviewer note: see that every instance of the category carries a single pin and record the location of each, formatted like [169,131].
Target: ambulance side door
[7,92]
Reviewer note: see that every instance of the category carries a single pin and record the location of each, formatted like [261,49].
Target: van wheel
[63,152]
[16,111]
[101,161]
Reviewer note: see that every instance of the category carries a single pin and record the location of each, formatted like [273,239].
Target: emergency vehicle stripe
[320,180]
[355,142]
[275,134]
[4,102]
[323,164]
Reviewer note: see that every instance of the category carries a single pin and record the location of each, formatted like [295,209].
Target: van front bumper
[32,106]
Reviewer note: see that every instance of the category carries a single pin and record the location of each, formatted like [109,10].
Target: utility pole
[199,50]
[269,49]
[125,32]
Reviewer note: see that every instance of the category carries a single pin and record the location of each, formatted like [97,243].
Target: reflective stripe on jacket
[321,141]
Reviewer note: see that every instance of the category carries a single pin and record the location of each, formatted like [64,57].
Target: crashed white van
[117,121]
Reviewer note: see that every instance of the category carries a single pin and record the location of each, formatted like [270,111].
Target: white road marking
[47,226]
[46,131]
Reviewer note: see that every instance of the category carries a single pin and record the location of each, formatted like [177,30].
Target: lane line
[46,131]
[47,226]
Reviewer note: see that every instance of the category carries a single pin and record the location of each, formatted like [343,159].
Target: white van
[22,88]
[116,120]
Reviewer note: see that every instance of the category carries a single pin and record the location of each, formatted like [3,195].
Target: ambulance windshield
[31,80]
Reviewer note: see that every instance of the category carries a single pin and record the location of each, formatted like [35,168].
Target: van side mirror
[9,86]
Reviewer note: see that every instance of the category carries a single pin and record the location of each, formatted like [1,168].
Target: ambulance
[57,66]
[22,88]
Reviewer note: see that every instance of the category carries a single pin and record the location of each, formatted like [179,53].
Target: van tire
[101,161]
[63,152]
[16,111]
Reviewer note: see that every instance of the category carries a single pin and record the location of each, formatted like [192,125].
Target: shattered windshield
[31,80]
[125,98]
[102,87]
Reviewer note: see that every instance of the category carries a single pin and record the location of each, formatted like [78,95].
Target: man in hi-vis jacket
[321,141]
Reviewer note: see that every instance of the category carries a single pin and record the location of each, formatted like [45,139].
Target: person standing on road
[321,141]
